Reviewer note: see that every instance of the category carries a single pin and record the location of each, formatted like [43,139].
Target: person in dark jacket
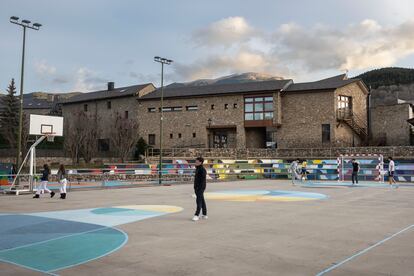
[43,182]
[355,171]
[199,188]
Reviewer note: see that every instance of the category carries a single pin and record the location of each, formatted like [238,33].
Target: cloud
[61,80]
[295,48]
[244,60]
[144,77]
[359,46]
[88,80]
[224,32]
[43,68]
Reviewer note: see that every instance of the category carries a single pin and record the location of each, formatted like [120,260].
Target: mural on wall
[233,169]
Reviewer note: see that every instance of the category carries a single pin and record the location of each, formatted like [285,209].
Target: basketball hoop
[50,136]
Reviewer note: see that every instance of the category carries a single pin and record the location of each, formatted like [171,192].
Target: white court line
[363,251]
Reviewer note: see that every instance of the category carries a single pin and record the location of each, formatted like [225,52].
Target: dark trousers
[354,177]
[201,203]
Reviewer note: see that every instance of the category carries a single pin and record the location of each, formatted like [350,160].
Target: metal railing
[401,152]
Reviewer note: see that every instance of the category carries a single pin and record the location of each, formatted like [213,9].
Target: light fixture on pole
[162,61]
[35,26]
[208,132]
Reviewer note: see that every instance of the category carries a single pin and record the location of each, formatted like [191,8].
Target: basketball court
[255,227]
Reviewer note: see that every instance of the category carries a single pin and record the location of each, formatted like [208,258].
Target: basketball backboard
[42,125]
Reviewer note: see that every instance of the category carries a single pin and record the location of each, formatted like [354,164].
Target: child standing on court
[199,188]
[62,180]
[391,173]
[304,172]
[355,170]
[294,170]
[43,182]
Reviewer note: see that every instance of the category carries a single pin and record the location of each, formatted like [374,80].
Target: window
[103,144]
[151,109]
[258,108]
[171,136]
[191,108]
[126,114]
[194,135]
[108,104]
[248,116]
[344,106]
[85,107]
[234,105]
[151,139]
[171,108]
[166,109]
[212,107]
[344,102]
[226,106]
[326,133]
[179,135]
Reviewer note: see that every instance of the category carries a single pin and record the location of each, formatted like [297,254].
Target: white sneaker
[204,217]
[195,218]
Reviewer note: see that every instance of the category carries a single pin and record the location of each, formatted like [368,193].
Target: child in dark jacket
[43,183]
[199,188]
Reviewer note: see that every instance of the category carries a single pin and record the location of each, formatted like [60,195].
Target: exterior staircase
[358,126]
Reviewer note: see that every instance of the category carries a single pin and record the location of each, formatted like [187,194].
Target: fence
[403,152]
[182,171]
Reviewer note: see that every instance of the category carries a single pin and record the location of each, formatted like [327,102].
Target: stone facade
[344,136]
[297,120]
[187,122]
[104,112]
[303,114]
[390,126]
[105,117]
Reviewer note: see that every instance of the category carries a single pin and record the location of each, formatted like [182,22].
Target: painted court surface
[257,227]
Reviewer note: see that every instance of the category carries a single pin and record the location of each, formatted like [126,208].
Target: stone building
[392,125]
[326,113]
[104,107]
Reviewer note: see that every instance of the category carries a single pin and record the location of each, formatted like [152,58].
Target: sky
[84,44]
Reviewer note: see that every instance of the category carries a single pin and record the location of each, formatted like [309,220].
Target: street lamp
[208,133]
[35,26]
[162,61]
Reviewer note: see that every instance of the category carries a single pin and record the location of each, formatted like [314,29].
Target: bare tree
[89,145]
[81,137]
[124,137]
[73,138]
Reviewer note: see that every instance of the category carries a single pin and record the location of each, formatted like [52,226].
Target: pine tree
[9,115]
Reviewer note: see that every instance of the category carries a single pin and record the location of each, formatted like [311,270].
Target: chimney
[111,85]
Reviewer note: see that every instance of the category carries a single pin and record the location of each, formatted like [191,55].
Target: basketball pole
[32,156]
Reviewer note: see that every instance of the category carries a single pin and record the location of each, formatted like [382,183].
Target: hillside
[387,76]
[390,84]
[235,78]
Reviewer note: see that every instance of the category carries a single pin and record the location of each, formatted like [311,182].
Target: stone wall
[396,152]
[303,114]
[390,126]
[105,117]
[344,136]
[187,122]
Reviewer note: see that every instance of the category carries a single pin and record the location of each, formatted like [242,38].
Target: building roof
[324,84]
[107,94]
[216,89]
[31,102]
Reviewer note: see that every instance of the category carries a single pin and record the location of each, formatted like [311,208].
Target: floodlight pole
[36,26]
[162,61]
